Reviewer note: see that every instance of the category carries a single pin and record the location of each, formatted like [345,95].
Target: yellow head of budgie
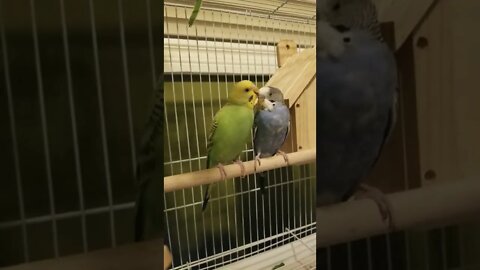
[244,93]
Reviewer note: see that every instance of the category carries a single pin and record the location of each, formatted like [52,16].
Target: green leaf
[195,11]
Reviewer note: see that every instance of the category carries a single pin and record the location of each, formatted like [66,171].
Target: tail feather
[206,197]
[262,182]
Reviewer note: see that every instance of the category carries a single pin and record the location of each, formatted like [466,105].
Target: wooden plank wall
[447,67]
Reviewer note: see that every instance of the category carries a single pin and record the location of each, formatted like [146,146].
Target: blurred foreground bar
[436,205]
[142,256]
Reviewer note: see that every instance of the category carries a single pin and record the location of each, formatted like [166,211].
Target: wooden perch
[197,178]
[432,206]
[167,258]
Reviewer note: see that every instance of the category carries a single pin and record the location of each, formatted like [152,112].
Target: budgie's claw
[223,173]
[257,159]
[285,157]
[382,202]
[242,167]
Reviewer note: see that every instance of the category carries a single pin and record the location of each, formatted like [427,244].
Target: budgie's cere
[231,128]
[271,126]
[356,90]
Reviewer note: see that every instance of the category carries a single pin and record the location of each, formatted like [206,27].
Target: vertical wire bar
[303,168]
[389,251]
[444,248]
[226,90]
[150,43]
[280,173]
[329,258]
[254,53]
[298,167]
[369,253]
[204,125]
[248,76]
[126,78]
[102,123]
[426,246]
[269,181]
[13,134]
[262,72]
[43,117]
[178,139]
[283,29]
[349,256]
[233,74]
[167,129]
[270,217]
[401,108]
[208,66]
[196,130]
[220,106]
[211,111]
[186,131]
[73,117]
[241,78]
[461,246]
[308,181]
[306,175]
[167,126]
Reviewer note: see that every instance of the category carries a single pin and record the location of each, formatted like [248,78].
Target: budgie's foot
[382,202]
[257,159]
[242,167]
[223,173]
[285,157]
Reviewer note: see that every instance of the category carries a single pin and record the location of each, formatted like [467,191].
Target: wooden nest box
[296,77]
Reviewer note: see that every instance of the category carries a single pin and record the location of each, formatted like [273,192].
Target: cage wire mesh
[229,42]
[76,82]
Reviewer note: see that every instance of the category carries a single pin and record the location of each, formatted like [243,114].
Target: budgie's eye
[246,90]
[336,7]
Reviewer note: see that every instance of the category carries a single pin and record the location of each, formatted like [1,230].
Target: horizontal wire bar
[275,245]
[253,13]
[270,247]
[47,218]
[196,158]
[308,228]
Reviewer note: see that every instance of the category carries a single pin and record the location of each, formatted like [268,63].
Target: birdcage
[232,41]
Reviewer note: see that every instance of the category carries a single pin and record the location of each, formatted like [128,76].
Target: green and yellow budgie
[231,129]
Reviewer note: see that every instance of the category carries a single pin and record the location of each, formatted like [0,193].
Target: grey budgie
[356,97]
[271,124]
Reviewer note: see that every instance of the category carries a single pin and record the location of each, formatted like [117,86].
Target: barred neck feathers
[369,20]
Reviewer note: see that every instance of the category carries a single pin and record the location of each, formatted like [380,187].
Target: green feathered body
[230,132]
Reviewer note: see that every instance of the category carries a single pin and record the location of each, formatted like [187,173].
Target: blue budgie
[272,124]
[356,99]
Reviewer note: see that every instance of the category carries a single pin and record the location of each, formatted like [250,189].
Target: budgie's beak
[262,100]
[255,90]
